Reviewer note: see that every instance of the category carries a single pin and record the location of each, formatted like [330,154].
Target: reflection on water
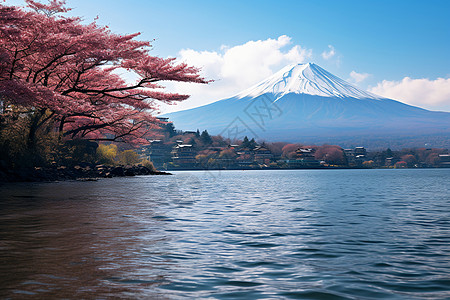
[335,234]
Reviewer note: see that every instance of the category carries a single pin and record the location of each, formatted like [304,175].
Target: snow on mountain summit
[308,79]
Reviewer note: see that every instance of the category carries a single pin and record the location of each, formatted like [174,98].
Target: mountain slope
[306,79]
[305,103]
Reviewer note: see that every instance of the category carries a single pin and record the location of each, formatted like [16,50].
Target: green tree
[128,157]
[205,138]
[245,142]
[170,129]
[389,152]
[106,154]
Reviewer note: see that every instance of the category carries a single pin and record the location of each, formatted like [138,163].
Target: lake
[275,234]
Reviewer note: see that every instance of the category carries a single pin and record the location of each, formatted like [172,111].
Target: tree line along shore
[178,150]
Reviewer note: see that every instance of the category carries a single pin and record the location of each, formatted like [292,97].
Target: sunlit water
[301,234]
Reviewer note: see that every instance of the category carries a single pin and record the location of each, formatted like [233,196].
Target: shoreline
[78,172]
[312,168]
[94,173]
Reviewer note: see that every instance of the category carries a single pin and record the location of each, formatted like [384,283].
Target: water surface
[300,234]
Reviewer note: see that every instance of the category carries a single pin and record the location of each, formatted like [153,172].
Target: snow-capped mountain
[308,79]
[305,103]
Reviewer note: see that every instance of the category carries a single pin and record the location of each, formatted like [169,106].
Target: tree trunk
[34,126]
[61,128]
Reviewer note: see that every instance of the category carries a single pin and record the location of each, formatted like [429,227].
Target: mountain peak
[304,103]
[307,78]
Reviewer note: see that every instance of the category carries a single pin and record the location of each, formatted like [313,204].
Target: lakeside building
[304,159]
[157,152]
[444,160]
[390,161]
[360,151]
[163,119]
[262,155]
[355,157]
[184,155]
[244,157]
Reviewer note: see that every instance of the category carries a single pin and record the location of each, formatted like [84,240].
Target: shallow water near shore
[276,234]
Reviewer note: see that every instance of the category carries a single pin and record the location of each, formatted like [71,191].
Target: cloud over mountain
[421,92]
[358,77]
[329,54]
[234,68]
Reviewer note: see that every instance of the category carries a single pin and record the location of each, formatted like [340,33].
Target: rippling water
[301,234]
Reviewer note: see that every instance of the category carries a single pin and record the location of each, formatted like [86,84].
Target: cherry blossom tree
[332,154]
[62,75]
[288,150]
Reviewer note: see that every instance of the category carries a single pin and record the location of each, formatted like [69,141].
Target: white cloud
[358,77]
[426,93]
[235,68]
[329,54]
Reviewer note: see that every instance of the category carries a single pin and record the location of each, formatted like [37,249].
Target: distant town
[198,150]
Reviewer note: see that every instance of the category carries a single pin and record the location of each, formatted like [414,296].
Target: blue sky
[399,48]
